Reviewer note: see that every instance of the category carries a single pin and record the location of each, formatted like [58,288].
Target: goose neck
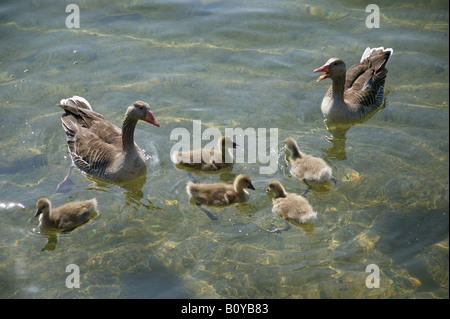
[128,128]
[295,152]
[338,87]
[279,192]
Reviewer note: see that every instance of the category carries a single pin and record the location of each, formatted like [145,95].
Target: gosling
[210,160]
[66,217]
[221,193]
[310,169]
[290,206]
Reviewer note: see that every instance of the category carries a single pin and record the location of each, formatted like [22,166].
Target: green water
[229,64]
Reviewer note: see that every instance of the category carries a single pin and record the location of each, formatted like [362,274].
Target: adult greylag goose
[66,217]
[98,147]
[221,193]
[290,206]
[357,92]
[310,169]
[208,160]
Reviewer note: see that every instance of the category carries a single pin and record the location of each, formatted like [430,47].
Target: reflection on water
[228,64]
[338,131]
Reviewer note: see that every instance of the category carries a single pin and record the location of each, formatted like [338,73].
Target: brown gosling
[66,217]
[210,160]
[290,206]
[310,169]
[221,193]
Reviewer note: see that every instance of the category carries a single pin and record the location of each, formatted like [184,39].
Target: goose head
[42,206]
[276,188]
[141,111]
[243,181]
[226,142]
[334,68]
[291,145]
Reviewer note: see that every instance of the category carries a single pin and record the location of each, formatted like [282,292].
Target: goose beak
[149,118]
[251,186]
[325,69]
[38,212]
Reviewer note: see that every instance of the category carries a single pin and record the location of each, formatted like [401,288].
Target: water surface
[228,64]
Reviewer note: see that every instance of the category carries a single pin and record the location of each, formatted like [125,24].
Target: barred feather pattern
[96,145]
[360,91]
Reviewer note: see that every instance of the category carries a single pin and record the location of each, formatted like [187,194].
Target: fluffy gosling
[290,206]
[310,169]
[211,160]
[221,193]
[66,217]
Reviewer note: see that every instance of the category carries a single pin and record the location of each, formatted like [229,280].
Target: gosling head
[276,188]
[42,206]
[291,145]
[243,181]
[141,111]
[226,142]
[334,68]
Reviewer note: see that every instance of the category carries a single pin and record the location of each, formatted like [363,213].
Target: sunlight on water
[11,205]
[245,64]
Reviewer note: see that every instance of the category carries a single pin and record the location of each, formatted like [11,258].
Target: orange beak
[149,118]
[325,69]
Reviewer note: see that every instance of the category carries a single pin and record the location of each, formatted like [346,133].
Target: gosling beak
[267,189]
[325,69]
[251,186]
[235,145]
[149,118]
[38,212]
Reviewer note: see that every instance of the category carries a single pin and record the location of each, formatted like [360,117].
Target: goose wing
[93,141]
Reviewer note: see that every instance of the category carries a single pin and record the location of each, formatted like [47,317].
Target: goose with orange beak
[98,147]
[358,92]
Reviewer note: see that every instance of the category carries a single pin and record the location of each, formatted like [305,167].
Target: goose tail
[76,101]
[371,51]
